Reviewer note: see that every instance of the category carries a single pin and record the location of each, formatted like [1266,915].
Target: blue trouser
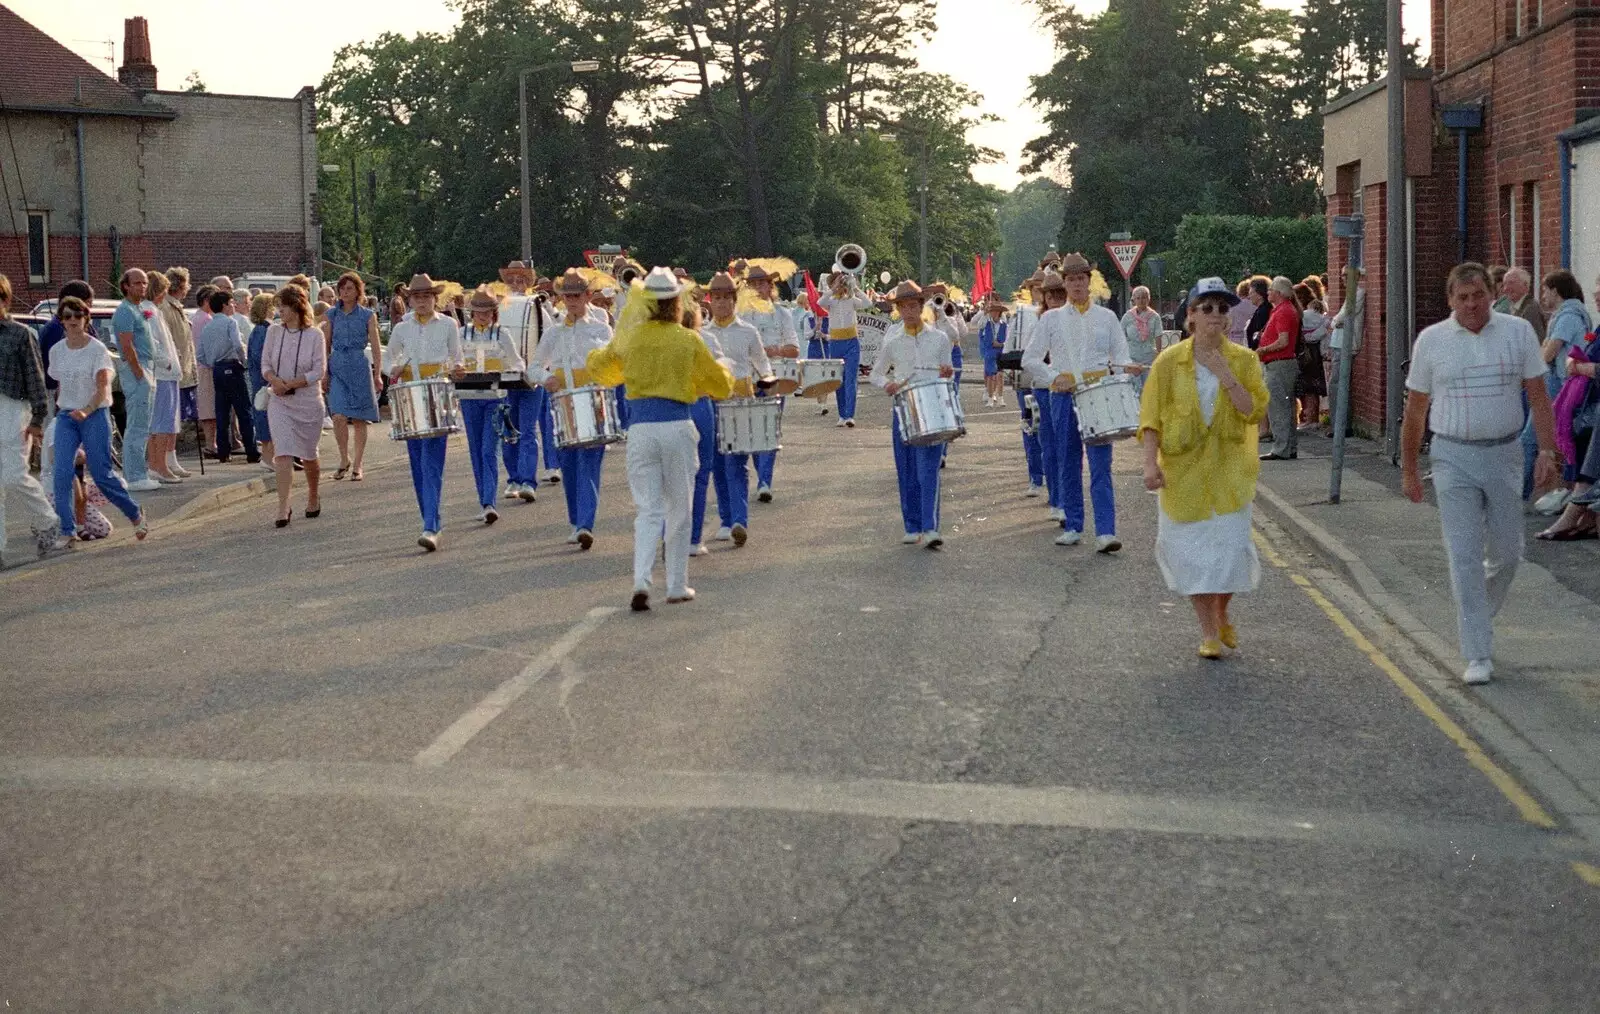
[483,445]
[580,483]
[814,349]
[94,436]
[850,351]
[522,458]
[622,405]
[232,399]
[1047,447]
[766,461]
[138,399]
[547,430]
[1070,452]
[736,480]
[916,470]
[427,475]
[711,470]
[1030,449]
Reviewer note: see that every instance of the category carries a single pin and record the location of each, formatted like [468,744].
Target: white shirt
[76,371]
[775,325]
[741,346]
[415,343]
[1474,381]
[906,357]
[166,365]
[1100,344]
[496,343]
[842,311]
[568,348]
[1022,331]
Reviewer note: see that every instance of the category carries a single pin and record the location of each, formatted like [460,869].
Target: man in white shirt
[740,346]
[429,345]
[1468,376]
[780,340]
[525,317]
[913,350]
[841,335]
[1022,328]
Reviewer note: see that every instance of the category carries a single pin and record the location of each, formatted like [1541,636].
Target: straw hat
[422,285]
[483,299]
[572,284]
[661,283]
[722,282]
[759,274]
[907,290]
[1034,280]
[516,270]
[1053,282]
[1075,264]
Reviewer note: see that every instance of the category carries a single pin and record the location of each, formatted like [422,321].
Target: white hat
[662,283]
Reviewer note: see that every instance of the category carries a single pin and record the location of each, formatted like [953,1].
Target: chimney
[137,72]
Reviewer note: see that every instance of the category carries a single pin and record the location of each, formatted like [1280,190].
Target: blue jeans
[916,472]
[93,434]
[427,476]
[1047,447]
[580,483]
[529,409]
[138,401]
[1031,450]
[1070,452]
[850,351]
[766,461]
[483,446]
[711,470]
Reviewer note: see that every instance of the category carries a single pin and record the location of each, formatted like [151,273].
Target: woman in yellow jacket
[666,368]
[1197,421]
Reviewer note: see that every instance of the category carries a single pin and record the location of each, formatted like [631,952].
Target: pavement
[316,769]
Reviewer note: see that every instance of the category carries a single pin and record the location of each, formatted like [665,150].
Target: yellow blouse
[1209,469]
[661,360]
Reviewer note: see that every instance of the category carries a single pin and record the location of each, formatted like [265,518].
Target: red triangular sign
[1127,255]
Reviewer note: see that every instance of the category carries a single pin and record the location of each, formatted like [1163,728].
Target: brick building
[97,172]
[1499,162]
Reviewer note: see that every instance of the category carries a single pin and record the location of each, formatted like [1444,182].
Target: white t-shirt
[1474,381]
[75,370]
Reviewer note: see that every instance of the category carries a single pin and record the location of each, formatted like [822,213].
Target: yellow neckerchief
[722,323]
[423,321]
[488,332]
[1081,308]
[910,331]
[572,318]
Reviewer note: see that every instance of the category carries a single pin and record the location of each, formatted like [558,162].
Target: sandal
[342,471]
[142,529]
[356,475]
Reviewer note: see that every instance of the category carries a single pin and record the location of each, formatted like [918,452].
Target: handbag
[263,397]
[264,394]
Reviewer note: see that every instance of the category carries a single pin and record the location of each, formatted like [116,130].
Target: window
[38,247]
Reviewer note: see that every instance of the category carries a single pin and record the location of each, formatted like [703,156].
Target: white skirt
[1211,557]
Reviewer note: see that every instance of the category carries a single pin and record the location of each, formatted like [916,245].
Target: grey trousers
[1480,511]
[1281,377]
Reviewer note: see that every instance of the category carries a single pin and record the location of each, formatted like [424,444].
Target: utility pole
[922,219]
[1349,228]
[355,211]
[372,215]
[577,67]
[1396,300]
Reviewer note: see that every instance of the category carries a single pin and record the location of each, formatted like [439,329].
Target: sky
[994,46]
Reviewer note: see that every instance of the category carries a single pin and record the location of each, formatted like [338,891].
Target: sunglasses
[72,315]
[1211,308]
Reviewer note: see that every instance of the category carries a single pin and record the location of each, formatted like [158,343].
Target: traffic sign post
[1126,252]
[605,258]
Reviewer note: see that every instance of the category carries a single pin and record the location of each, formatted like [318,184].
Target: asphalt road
[315,769]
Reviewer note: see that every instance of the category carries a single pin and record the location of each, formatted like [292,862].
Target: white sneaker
[822,410]
[177,469]
[723,535]
[932,540]
[585,538]
[1069,538]
[525,493]
[1479,671]
[910,539]
[850,424]
[553,475]
[1034,489]
[1552,503]
[841,424]
[1057,514]
[483,515]
[143,486]
[512,491]
[764,493]
[1107,543]
[700,550]
[739,534]
[687,595]
[490,515]
[429,541]
[572,540]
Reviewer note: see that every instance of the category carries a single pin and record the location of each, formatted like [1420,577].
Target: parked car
[264,281]
[101,310]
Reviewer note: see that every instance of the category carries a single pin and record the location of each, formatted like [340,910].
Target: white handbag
[263,397]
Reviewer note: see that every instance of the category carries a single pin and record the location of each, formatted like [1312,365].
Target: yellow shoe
[1228,636]
[1210,649]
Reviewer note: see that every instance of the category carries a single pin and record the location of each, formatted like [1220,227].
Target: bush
[1233,246]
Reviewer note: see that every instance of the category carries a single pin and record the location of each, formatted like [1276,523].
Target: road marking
[1588,874]
[1454,841]
[1527,806]
[461,731]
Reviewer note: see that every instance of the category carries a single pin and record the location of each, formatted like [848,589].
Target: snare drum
[423,408]
[1107,409]
[820,376]
[749,425]
[586,417]
[929,412]
[788,373]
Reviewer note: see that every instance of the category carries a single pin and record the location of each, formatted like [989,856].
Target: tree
[193,83]
[1029,219]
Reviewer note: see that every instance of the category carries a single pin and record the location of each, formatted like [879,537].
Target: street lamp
[922,204]
[577,67]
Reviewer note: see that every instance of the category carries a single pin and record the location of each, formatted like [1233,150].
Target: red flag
[988,275]
[811,297]
[977,277]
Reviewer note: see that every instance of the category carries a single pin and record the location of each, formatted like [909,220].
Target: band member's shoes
[739,534]
[822,410]
[552,476]
[1228,636]
[488,516]
[1069,538]
[700,550]
[513,490]
[429,541]
[1479,671]
[1211,649]
[764,493]
[641,601]
[572,540]
[687,595]
[1034,489]
[850,424]
[1057,514]
[910,539]
[1107,543]
[842,423]
[723,535]
[932,540]
[585,538]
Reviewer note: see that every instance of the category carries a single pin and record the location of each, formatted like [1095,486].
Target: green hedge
[1233,246]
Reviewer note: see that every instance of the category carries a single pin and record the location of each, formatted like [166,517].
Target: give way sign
[1126,255]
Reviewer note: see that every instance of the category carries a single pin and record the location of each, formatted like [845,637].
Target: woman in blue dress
[355,359]
[260,318]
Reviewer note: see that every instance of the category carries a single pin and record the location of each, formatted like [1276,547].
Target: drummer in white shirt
[1023,325]
[741,348]
[913,350]
[525,316]
[562,360]
[1083,340]
[429,346]
[482,336]
[780,340]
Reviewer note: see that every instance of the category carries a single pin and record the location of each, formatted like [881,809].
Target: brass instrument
[851,259]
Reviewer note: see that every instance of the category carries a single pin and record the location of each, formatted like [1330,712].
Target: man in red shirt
[1279,345]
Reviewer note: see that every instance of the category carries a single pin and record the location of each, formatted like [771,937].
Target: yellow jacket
[661,360]
[1209,469]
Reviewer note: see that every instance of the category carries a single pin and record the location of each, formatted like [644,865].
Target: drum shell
[749,425]
[788,373]
[929,413]
[420,409]
[586,417]
[1107,409]
[820,376]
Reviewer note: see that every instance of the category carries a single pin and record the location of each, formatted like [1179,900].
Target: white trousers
[15,479]
[662,458]
[1480,510]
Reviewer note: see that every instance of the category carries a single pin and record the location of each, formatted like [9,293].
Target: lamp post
[922,204]
[577,67]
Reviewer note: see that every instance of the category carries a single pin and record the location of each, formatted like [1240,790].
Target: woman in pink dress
[293,362]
